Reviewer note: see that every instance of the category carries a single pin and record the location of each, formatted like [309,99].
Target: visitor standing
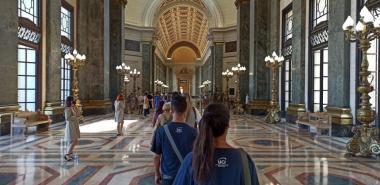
[146,105]
[192,113]
[141,103]
[119,114]
[213,160]
[150,98]
[171,143]
[72,134]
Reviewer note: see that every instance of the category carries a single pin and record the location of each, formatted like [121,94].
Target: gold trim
[90,104]
[258,104]
[53,108]
[341,116]
[294,109]
[9,108]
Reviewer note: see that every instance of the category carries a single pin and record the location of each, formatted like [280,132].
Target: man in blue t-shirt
[156,100]
[167,156]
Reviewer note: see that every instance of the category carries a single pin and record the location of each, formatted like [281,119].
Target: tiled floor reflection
[283,155]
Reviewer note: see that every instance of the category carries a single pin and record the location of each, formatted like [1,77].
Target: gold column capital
[123,2]
[239,2]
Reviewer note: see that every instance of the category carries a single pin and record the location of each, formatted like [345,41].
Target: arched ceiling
[181,22]
[221,13]
[184,55]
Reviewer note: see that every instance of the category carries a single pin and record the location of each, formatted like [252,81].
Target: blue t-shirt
[228,169]
[183,136]
[156,102]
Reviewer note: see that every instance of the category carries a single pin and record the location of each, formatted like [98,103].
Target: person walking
[213,160]
[165,117]
[119,114]
[72,133]
[146,105]
[158,112]
[171,143]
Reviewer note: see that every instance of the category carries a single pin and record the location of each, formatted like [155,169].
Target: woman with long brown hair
[213,160]
[72,133]
[119,114]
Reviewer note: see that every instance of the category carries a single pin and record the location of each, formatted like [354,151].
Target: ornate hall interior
[300,78]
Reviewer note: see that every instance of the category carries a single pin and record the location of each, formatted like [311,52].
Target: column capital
[123,2]
[239,2]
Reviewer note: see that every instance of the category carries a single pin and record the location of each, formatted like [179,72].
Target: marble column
[197,80]
[298,60]
[92,41]
[218,66]
[53,106]
[244,28]
[116,28]
[339,69]
[275,28]
[8,55]
[147,61]
[256,48]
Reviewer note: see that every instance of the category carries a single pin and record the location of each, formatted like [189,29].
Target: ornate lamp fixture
[134,74]
[123,70]
[274,62]
[75,60]
[364,142]
[227,75]
[238,70]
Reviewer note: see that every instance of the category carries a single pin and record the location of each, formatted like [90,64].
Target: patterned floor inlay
[283,155]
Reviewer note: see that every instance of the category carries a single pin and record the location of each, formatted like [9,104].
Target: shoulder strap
[172,143]
[246,171]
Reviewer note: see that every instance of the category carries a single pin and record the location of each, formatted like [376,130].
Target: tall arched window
[67,42]
[286,75]
[318,70]
[29,34]
[373,53]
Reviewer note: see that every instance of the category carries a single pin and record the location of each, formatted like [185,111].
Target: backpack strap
[172,143]
[246,171]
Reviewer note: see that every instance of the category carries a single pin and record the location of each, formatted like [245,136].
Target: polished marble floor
[283,155]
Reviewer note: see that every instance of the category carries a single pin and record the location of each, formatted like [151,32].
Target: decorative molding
[240,2]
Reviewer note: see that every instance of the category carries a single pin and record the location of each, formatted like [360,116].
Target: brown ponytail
[213,124]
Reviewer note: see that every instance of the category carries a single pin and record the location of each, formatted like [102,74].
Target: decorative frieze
[29,35]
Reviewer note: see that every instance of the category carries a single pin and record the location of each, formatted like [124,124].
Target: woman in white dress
[72,134]
[192,116]
[119,114]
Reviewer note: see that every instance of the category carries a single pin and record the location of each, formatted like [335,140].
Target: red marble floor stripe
[137,179]
[54,175]
[77,175]
[302,180]
[109,177]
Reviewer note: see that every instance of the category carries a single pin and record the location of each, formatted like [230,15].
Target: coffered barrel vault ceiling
[179,22]
[182,23]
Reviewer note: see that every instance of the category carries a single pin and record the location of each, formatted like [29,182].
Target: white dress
[119,111]
[72,117]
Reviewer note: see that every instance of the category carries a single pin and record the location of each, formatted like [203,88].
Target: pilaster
[94,76]
[8,62]
[244,28]
[339,69]
[257,50]
[53,107]
[147,66]
[298,60]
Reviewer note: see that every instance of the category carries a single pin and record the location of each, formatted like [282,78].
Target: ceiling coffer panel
[182,22]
